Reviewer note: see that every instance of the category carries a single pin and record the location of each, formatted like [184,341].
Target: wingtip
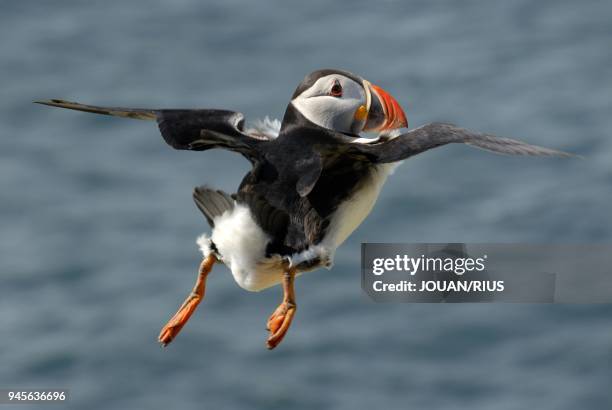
[564,154]
[551,153]
[54,102]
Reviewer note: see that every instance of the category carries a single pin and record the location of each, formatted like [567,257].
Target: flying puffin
[313,179]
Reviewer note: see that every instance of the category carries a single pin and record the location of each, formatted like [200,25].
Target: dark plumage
[309,187]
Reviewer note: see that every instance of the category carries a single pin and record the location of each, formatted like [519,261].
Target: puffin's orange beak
[384,112]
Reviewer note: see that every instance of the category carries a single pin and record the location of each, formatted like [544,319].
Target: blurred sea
[97,223]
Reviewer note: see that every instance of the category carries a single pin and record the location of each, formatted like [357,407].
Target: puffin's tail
[135,113]
[212,202]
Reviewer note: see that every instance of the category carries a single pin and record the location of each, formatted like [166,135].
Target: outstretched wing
[197,130]
[434,135]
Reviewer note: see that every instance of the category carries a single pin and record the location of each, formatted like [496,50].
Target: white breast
[353,212]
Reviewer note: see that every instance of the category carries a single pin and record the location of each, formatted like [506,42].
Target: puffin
[313,179]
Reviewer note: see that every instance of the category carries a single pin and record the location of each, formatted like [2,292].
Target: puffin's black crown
[311,78]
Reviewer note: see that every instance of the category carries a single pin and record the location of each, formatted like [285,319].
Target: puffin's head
[343,102]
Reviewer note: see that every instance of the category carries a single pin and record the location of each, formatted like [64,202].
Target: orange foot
[180,318]
[279,323]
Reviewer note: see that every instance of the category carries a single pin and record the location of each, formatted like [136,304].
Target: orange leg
[180,318]
[280,320]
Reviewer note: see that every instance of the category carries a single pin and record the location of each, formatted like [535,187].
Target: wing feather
[192,129]
[435,135]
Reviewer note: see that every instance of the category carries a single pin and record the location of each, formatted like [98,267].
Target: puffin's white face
[335,102]
[346,103]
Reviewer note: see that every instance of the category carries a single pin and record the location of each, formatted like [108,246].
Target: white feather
[385,135]
[241,243]
[269,128]
[203,242]
[321,252]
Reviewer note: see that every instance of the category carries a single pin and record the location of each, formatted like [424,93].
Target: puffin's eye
[336,89]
